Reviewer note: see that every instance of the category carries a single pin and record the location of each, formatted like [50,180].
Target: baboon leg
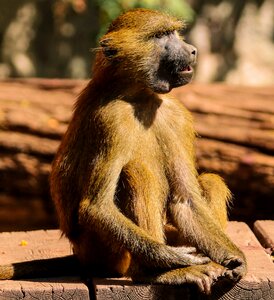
[218,196]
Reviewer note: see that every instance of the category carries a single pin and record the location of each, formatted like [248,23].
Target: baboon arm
[98,211]
[197,223]
[140,244]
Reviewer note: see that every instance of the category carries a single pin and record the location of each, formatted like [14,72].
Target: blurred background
[232,98]
[55,38]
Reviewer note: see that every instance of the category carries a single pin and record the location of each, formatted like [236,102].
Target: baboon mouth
[186,69]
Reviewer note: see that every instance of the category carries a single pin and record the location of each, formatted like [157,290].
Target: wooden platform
[23,246]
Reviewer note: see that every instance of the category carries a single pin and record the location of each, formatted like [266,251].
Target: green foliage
[110,9]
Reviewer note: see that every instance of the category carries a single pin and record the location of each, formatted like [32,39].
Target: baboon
[125,170]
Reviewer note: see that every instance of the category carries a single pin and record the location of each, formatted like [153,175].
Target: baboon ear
[108,50]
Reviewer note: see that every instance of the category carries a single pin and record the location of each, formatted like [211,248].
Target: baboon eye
[110,52]
[107,49]
[182,32]
[160,34]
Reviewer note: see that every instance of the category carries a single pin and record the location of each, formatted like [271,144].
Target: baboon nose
[194,51]
[193,55]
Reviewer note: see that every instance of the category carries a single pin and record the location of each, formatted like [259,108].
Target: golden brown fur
[126,166]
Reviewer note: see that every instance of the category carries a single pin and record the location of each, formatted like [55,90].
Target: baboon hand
[236,268]
[209,274]
[189,256]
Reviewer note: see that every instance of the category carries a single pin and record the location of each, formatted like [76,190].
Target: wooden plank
[259,281]
[44,289]
[258,284]
[264,230]
[25,246]
[124,289]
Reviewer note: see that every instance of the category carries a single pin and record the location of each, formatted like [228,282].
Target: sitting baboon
[125,169]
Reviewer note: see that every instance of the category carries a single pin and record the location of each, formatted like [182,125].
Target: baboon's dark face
[173,62]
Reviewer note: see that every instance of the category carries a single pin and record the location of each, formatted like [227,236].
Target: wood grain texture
[40,244]
[124,289]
